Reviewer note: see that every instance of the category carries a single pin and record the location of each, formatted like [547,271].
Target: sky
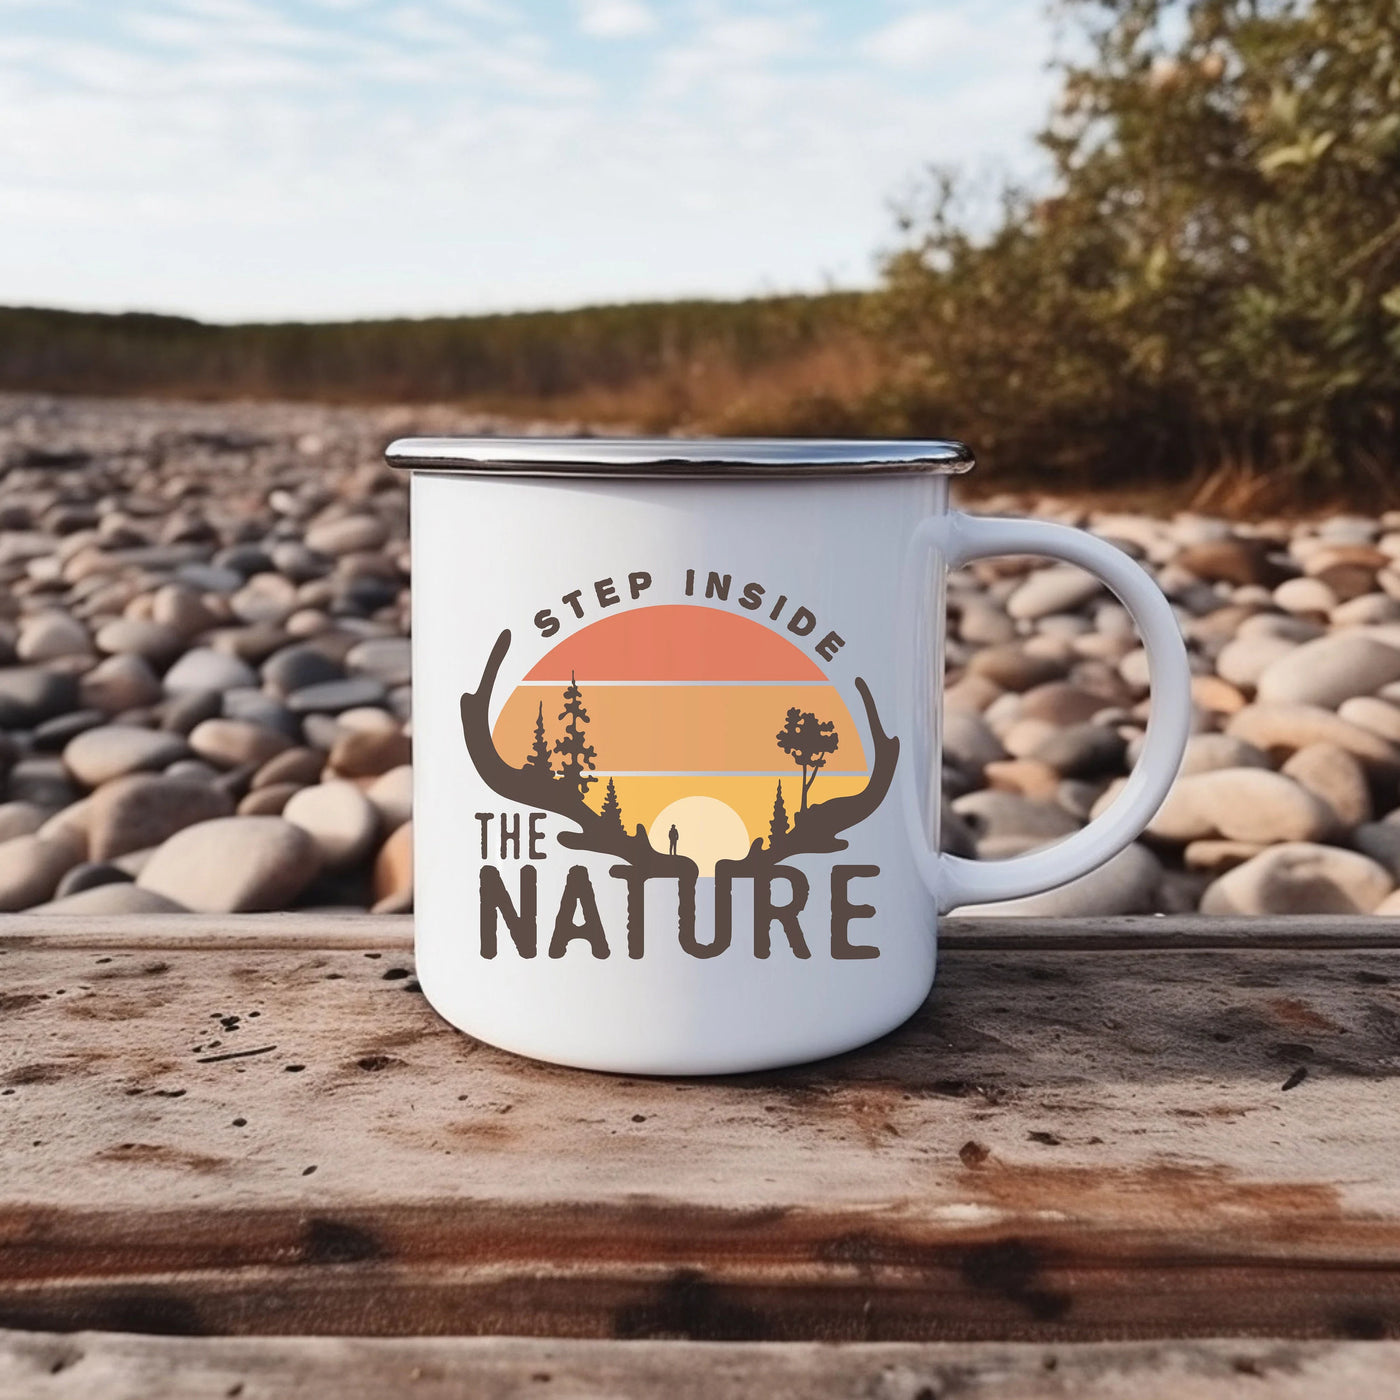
[327,159]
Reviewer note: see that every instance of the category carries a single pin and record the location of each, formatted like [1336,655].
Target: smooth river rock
[234,865]
[1330,670]
[113,750]
[1300,878]
[145,809]
[1241,804]
[339,818]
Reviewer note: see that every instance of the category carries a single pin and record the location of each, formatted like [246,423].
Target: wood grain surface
[79,1366]
[1090,1131]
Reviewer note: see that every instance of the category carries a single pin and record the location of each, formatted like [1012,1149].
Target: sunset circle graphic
[700,726]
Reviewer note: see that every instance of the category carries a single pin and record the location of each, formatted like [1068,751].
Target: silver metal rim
[671,459]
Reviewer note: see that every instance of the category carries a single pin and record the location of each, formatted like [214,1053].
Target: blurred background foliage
[1204,296]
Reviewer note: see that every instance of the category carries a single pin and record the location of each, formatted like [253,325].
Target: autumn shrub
[1209,290]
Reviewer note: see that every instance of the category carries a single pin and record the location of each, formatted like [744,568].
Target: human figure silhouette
[675,836]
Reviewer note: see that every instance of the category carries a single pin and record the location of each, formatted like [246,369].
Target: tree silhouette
[611,811]
[539,760]
[778,827]
[807,741]
[577,756]
[817,831]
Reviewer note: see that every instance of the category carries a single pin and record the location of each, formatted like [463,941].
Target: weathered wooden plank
[1143,933]
[38,1366]
[283,1139]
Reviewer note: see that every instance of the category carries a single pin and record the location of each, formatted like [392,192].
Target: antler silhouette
[533,788]
[816,831]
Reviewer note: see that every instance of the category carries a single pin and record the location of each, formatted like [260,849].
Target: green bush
[1212,284]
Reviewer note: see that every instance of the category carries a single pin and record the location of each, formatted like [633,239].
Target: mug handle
[955,880]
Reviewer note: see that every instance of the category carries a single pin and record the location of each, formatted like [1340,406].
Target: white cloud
[615,19]
[244,158]
[930,37]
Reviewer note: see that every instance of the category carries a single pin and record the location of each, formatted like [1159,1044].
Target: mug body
[672,764]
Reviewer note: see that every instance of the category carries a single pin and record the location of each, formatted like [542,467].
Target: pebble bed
[205,700]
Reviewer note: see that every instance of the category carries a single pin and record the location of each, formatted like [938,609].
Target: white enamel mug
[677,741]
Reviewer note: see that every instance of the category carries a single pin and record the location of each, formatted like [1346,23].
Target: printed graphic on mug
[689,741]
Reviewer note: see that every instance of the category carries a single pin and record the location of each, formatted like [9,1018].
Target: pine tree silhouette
[539,761]
[807,741]
[778,827]
[611,810]
[578,756]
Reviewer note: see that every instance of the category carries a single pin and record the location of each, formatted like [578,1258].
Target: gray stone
[1244,660]
[1012,667]
[21,819]
[1279,625]
[1124,884]
[339,818]
[1305,595]
[1369,610]
[1001,814]
[114,750]
[1241,804]
[43,780]
[295,561]
[1300,878]
[1379,716]
[1216,856]
[330,697]
[247,559]
[120,683]
[207,669]
[1206,753]
[209,578]
[387,659]
[234,865]
[113,900]
[31,867]
[268,800]
[369,719]
[1025,736]
[265,598]
[180,608]
[979,622]
[51,635]
[1062,703]
[1380,841]
[53,735]
[1283,729]
[30,695]
[190,707]
[1330,773]
[89,875]
[136,812]
[1081,751]
[299,765]
[296,667]
[1056,589]
[231,743]
[259,708]
[321,731]
[392,797]
[153,640]
[1330,670]
[348,535]
[967,740]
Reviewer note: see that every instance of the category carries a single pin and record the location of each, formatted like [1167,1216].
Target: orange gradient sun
[685,703]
